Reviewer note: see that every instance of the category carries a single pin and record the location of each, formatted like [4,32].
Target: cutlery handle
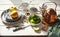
[17,29]
[20,28]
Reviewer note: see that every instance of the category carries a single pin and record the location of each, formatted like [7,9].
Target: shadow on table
[16,2]
[56,1]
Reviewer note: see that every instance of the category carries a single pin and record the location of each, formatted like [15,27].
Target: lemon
[13,8]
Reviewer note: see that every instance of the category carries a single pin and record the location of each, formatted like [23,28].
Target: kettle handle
[49,2]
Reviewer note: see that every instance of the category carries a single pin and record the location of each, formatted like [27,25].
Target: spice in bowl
[34,19]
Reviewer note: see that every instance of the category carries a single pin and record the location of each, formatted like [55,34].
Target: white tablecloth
[5,4]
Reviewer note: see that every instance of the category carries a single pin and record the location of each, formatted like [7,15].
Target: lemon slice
[36,28]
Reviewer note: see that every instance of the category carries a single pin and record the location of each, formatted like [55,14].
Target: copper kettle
[49,15]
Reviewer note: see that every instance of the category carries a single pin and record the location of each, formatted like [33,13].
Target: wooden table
[5,4]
